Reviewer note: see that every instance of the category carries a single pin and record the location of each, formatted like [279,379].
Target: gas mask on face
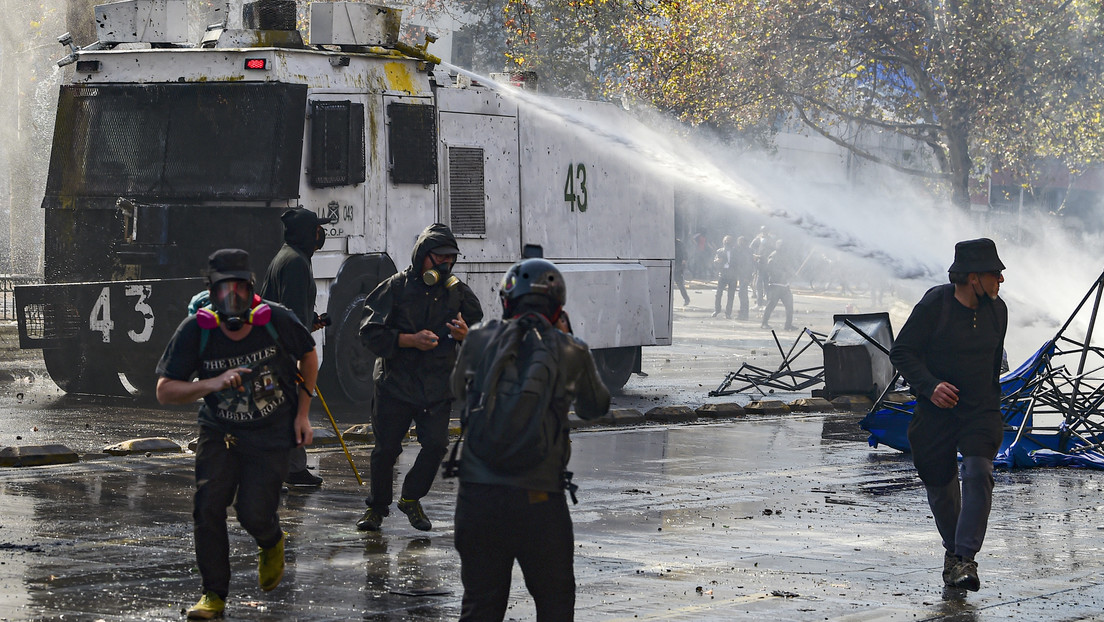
[234,303]
[440,272]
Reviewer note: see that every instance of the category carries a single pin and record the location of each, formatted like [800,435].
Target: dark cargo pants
[390,423]
[496,525]
[255,477]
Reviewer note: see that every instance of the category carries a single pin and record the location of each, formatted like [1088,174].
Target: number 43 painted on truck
[575,188]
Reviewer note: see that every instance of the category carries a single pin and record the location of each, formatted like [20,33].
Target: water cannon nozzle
[67,40]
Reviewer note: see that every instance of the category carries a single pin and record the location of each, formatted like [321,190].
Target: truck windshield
[178,141]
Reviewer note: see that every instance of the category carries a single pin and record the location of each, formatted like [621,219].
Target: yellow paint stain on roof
[399,77]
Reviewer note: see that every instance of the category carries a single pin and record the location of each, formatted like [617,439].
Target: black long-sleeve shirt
[944,340]
[403,303]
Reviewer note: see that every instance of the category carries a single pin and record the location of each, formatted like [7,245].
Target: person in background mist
[289,281]
[745,272]
[950,352]
[726,268]
[701,264]
[779,270]
[761,246]
[678,270]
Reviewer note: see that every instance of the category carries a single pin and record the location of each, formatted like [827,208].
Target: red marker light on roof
[256,63]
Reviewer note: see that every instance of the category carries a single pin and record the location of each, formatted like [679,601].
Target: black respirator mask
[319,238]
[440,272]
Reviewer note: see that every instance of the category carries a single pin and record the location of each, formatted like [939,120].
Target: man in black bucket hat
[950,352]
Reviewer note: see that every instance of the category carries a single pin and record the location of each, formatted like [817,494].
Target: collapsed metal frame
[1045,386]
[784,378]
[1076,397]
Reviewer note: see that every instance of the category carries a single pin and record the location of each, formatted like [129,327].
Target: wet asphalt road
[789,517]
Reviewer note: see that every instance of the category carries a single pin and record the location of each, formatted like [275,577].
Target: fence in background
[7,292]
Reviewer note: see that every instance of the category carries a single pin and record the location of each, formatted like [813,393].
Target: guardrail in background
[7,292]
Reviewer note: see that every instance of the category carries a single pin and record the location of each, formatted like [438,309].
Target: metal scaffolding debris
[786,377]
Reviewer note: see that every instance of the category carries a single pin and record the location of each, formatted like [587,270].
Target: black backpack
[507,419]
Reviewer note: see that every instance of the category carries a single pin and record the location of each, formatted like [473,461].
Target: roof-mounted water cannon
[419,51]
[67,40]
[359,27]
[518,79]
[265,23]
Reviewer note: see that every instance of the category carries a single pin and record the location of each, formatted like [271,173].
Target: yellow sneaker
[270,565]
[209,607]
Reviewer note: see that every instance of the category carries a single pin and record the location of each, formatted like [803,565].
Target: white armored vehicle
[165,151]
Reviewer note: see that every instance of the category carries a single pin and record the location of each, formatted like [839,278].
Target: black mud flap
[91,333]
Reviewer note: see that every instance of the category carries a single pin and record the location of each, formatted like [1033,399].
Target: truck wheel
[139,372]
[76,372]
[347,366]
[615,365]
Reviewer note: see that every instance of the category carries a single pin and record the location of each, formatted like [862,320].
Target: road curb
[158,444]
[36,455]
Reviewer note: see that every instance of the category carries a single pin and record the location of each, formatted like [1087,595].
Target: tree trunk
[958,153]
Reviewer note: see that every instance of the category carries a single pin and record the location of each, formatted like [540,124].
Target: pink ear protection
[259,315]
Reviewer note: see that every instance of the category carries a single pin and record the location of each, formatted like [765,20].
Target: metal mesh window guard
[413,143]
[467,199]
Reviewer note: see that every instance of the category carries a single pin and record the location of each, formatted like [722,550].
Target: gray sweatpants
[961,509]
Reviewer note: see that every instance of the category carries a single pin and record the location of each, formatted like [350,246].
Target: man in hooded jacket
[413,323]
[289,281]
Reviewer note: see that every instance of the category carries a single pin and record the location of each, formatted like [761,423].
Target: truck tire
[140,373]
[346,374]
[348,364]
[615,365]
[75,371]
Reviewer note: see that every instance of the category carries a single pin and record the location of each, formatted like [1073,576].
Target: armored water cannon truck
[164,152]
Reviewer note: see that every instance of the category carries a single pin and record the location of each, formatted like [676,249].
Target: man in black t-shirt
[255,369]
[950,352]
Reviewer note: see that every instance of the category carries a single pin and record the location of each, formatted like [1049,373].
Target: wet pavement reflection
[789,517]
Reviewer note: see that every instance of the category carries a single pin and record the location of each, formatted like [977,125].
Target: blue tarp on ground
[888,424]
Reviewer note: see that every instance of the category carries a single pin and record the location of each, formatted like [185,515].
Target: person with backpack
[518,377]
[289,280]
[255,369]
[413,322]
[950,351]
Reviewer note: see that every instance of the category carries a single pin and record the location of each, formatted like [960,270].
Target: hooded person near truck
[413,322]
[289,281]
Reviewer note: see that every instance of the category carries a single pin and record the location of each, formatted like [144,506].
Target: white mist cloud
[889,225]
